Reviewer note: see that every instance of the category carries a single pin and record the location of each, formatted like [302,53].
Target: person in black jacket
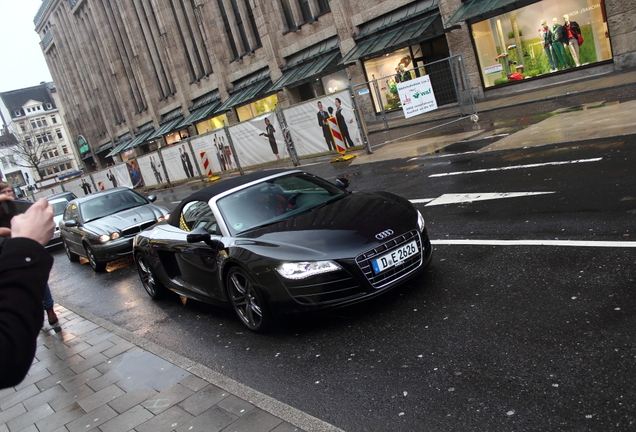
[24,271]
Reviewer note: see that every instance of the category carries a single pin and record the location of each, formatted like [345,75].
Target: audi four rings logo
[384,234]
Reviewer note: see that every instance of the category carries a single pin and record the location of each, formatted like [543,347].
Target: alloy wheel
[246,301]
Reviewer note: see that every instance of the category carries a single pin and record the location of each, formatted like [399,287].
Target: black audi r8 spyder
[282,241]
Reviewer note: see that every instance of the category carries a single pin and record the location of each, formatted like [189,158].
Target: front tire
[97,266]
[72,257]
[247,301]
[152,286]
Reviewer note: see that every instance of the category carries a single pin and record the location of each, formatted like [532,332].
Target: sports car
[101,226]
[282,241]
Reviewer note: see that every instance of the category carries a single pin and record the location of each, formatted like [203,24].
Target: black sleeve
[24,271]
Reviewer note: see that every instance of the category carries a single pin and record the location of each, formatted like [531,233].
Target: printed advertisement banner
[258,140]
[417,96]
[213,153]
[151,169]
[310,129]
[178,162]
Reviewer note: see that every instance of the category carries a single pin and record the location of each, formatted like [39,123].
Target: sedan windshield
[274,200]
[105,205]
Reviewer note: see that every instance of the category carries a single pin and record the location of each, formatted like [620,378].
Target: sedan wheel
[152,286]
[96,265]
[72,257]
[247,301]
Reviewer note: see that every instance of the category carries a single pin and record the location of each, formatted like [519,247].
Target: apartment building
[42,151]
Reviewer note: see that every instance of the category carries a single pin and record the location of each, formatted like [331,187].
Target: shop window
[257,108]
[518,45]
[211,124]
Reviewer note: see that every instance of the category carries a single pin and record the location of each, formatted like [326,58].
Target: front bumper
[114,249]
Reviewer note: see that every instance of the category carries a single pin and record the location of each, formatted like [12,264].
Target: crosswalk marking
[567,243]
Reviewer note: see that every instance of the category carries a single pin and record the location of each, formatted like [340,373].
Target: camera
[8,209]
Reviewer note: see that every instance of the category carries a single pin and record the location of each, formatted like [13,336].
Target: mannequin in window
[559,40]
[573,31]
[546,37]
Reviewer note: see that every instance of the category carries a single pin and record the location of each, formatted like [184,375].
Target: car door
[198,262]
[72,235]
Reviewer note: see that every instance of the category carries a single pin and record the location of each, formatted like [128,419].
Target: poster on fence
[151,169]
[417,96]
[258,140]
[310,129]
[213,153]
[178,162]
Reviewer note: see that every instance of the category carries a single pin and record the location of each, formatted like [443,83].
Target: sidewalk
[90,375]
[594,121]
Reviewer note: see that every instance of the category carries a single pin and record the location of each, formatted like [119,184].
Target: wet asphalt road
[489,338]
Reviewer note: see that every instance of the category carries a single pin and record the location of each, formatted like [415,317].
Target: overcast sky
[21,60]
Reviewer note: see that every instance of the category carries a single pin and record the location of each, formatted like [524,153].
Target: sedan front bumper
[113,249]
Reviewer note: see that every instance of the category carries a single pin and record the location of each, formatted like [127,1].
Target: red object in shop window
[515,77]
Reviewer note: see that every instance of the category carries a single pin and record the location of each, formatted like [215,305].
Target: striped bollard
[337,136]
[207,166]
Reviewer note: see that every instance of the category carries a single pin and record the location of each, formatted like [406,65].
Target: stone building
[138,74]
[33,116]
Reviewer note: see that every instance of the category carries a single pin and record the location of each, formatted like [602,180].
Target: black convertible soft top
[224,185]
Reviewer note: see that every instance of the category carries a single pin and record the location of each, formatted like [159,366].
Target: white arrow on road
[467,198]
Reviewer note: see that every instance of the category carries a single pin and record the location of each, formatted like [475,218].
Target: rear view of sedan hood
[124,219]
[343,228]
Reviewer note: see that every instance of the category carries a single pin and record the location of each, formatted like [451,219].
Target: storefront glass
[211,124]
[257,108]
[335,82]
[516,45]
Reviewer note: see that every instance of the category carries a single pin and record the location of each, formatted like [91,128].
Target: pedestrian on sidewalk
[24,269]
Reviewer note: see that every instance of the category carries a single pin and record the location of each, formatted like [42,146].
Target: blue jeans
[48,299]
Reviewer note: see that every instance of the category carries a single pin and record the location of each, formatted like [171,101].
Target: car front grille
[136,229]
[325,288]
[394,273]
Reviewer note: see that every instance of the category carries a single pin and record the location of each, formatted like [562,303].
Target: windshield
[105,205]
[58,207]
[275,200]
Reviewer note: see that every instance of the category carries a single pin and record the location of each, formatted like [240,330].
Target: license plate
[394,257]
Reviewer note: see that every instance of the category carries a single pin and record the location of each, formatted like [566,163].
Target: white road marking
[574,243]
[518,167]
[467,198]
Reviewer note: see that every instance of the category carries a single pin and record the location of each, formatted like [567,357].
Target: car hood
[126,218]
[343,228]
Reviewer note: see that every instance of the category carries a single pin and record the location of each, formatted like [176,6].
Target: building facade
[135,75]
[42,152]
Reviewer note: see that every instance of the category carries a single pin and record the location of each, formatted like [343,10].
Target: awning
[118,148]
[166,128]
[200,113]
[73,174]
[306,72]
[403,36]
[104,147]
[139,139]
[479,10]
[244,95]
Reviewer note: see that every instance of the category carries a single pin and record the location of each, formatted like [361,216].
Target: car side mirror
[70,223]
[152,198]
[342,182]
[202,235]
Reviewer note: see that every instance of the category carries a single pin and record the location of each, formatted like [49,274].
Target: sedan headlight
[420,221]
[305,269]
[106,237]
[163,218]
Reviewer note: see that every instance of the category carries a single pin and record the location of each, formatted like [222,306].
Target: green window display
[540,39]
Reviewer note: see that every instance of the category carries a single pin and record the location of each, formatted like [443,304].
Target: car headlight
[305,269]
[106,237]
[163,218]
[420,221]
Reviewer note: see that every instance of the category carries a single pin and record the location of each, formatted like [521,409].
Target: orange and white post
[337,136]
[207,166]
